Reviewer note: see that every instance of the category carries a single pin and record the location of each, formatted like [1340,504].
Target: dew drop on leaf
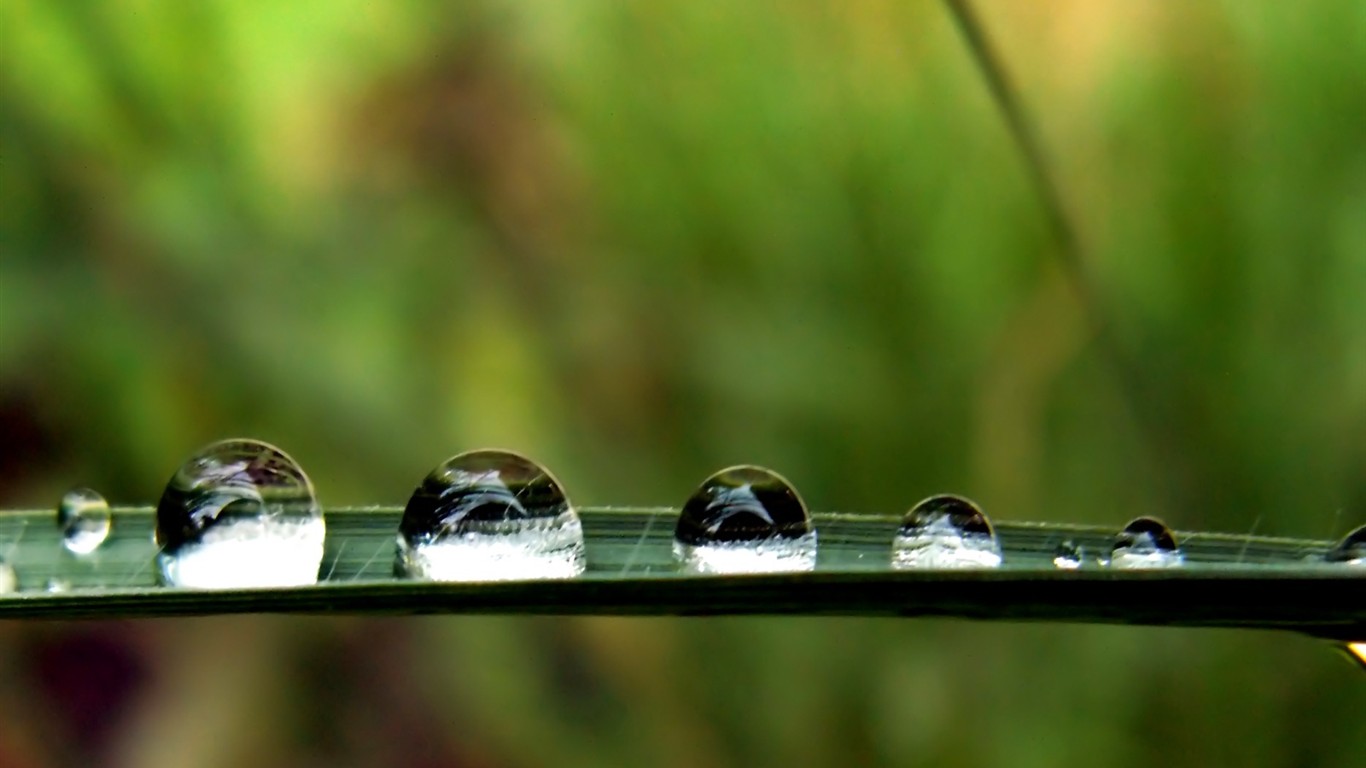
[239,514]
[1067,556]
[745,519]
[945,531]
[489,515]
[84,519]
[1145,542]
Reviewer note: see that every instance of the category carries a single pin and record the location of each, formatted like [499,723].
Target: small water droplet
[239,514]
[9,580]
[745,519]
[56,586]
[1146,542]
[1351,550]
[489,515]
[84,519]
[1068,556]
[945,531]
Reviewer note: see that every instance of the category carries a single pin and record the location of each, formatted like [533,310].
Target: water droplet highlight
[745,519]
[84,519]
[489,515]
[1356,652]
[1351,550]
[945,531]
[1145,542]
[1067,556]
[9,580]
[239,514]
[57,586]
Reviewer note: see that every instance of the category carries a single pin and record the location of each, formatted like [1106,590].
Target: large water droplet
[1351,550]
[1067,556]
[945,531]
[9,580]
[83,517]
[239,514]
[489,516]
[1145,542]
[745,519]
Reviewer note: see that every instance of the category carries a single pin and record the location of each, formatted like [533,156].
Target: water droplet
[83,516]
[9,580]
[1068,556]
[1145,542]
[945,531]
[1356,652]
[745,519]
[489,515]
[239,514]
[57,586]
[1351,550]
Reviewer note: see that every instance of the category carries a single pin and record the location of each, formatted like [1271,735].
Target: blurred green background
[640,242]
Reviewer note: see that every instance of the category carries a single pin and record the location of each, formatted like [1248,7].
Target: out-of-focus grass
[639,242]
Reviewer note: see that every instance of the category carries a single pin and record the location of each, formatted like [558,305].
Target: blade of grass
[1228,581]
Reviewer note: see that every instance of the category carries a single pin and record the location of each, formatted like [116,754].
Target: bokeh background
[640,242]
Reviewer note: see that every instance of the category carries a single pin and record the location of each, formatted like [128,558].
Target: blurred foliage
[640,241]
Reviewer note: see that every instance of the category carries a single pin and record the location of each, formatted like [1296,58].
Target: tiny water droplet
[57,586]
[9,580]
[1068,556]
[83,517]
[1351,550]
[945,531]
[745,519]
[489,515]
[239,514]
[1145,542]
